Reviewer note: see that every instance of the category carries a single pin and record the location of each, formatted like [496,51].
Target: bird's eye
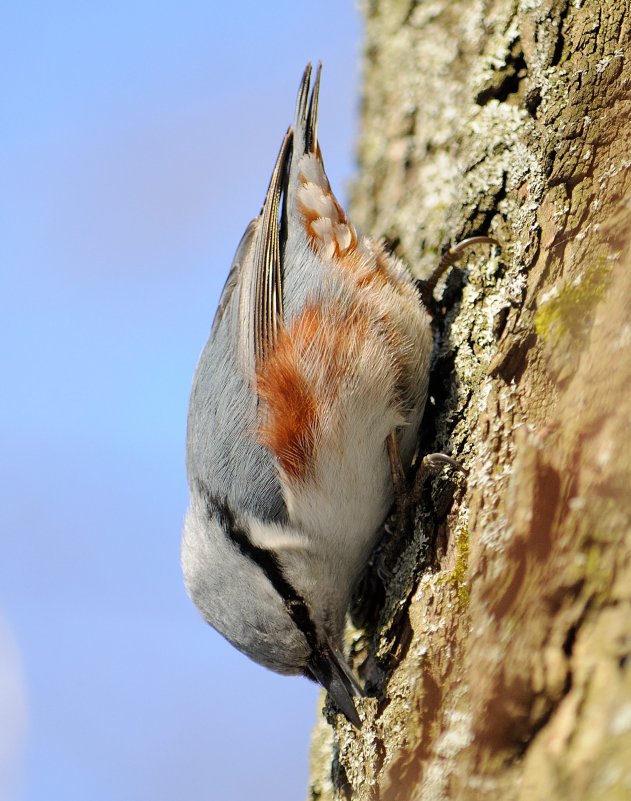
[298,611]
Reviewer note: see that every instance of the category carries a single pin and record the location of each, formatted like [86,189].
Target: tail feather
[306,123]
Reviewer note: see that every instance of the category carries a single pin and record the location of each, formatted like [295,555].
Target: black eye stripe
[219,509]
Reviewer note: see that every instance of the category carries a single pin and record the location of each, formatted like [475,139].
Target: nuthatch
[304,414]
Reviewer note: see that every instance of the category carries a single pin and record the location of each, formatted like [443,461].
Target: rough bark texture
[499,663]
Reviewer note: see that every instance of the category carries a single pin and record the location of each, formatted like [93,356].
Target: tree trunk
[498,664]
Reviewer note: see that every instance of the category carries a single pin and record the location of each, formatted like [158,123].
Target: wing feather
[260,278]
[234,276]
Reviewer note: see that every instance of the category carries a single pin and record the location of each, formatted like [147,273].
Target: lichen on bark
[498,664]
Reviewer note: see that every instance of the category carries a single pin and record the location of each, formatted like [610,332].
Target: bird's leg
[370,593]
[407,498]
[431,464]
[399,480]
[426,286]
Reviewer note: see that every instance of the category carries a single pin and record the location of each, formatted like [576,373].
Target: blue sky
[136,144]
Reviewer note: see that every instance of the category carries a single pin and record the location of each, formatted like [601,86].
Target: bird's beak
[329,668]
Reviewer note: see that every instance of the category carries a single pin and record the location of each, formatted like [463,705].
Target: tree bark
[498,664]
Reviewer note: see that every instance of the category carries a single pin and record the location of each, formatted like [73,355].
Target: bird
[303,420]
